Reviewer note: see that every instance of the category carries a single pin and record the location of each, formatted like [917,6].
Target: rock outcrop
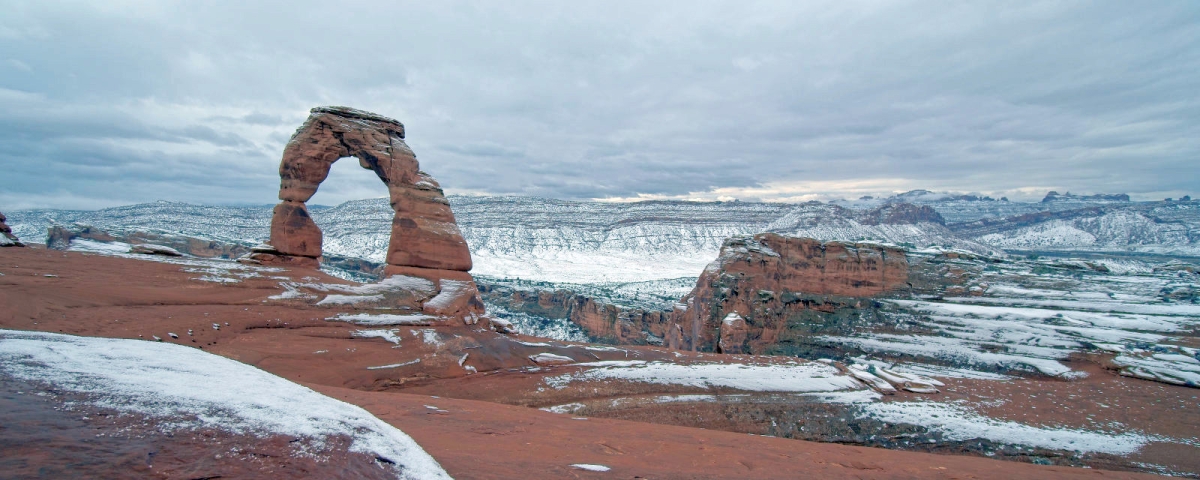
[746,300]
[7,239]
[425,241]
[424,233]
[59,237]
[601,322]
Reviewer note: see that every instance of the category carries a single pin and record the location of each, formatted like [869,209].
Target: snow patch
[381,319]
[797,378]
[957,424]
[189,388]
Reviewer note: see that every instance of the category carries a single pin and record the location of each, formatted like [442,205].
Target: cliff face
[775,283]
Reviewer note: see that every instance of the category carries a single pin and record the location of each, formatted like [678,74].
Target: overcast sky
[117,102]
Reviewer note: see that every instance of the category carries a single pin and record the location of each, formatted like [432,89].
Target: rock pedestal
[425,241]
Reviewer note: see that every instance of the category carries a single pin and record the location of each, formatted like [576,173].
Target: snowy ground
[803,383]
[1030,317]
[186,388]
[793,377]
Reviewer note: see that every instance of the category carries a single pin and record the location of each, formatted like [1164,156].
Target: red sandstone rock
[293,231]
[425,242]
[753,273]
[733,333]
[456,295]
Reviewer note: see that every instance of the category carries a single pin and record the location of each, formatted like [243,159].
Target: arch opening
[348,181]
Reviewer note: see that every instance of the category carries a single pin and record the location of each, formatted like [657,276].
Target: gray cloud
[122,102]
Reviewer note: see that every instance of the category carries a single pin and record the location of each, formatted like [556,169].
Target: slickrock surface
[516,442]
[760,278]
[255,315]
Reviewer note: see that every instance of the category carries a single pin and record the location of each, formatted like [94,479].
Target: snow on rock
[551,359]
[1173,369]
[957,424]
[395,365]
[349,299]
[953,350]
[795,377]
[564,408]
[386,334]
[873,381]
[149,249]
[501,325]
[381,319]
[190,388]
[590,467]
[451,291]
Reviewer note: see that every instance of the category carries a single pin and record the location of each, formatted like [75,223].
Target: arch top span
[424,232]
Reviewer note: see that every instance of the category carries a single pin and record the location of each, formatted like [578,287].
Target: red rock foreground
[122,298]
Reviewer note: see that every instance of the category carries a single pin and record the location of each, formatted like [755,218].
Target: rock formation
[601,322]
[59,237]
[7,239]
[425,241]
[745,301]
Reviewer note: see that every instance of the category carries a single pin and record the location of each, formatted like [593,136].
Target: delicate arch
[424,232]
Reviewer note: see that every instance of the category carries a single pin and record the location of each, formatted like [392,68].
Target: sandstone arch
[424,232]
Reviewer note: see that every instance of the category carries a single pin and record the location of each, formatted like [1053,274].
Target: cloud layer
[110,103]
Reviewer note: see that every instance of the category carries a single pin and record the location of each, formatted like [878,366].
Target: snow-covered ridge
[594,242]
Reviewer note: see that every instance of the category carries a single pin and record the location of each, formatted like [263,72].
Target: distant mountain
[1100,197]
[1147,227]
[959,208]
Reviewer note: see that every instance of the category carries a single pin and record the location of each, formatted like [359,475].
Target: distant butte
[742,296]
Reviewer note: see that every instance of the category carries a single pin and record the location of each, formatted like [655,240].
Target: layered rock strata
[425,240]
[7,239]
[746,300]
